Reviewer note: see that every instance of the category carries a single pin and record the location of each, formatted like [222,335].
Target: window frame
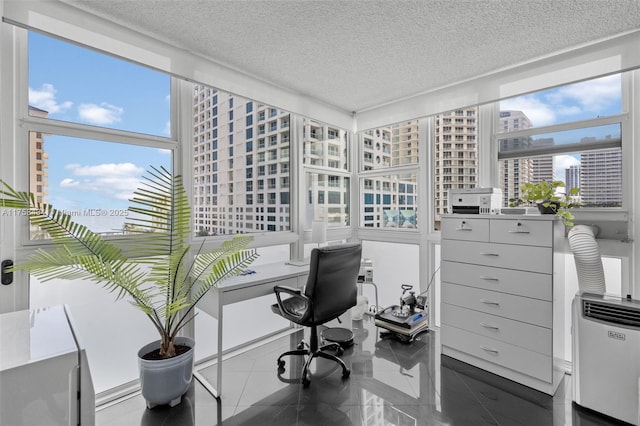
[26,123]
[393,234]
[333,232]
[608,214]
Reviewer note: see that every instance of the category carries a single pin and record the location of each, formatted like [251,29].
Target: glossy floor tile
[391,383]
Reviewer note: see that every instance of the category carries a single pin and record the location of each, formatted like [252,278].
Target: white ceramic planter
[165,381]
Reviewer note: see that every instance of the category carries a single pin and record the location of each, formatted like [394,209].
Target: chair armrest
[297,300]
[286,289]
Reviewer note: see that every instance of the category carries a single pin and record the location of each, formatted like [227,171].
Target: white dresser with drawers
[503,296]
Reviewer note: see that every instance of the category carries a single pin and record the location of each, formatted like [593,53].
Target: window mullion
[63,128]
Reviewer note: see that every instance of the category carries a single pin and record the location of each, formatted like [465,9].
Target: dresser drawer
[513,357]
[525,258]
[520,283]
[465,229]
[531,337]
[531,311]
[526,232]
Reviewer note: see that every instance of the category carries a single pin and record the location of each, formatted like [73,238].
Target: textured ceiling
[358,54]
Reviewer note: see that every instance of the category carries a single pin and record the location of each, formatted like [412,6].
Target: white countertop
[33,335]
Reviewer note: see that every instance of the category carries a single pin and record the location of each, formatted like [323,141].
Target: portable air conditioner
[606,355]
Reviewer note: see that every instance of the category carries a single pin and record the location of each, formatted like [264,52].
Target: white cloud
[100,114]
[540,113]
[45,98]
[113,180]
[69,183]
[167,128]
[108,169]
[583,100]
[593,96]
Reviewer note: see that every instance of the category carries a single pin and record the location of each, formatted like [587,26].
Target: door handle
[490,302]
[6,276]
[490,254]
[489,278]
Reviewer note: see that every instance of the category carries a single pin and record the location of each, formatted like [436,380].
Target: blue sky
[580,101]
[79,85]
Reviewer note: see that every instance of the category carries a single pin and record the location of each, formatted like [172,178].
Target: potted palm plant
[157,272]
[549,199]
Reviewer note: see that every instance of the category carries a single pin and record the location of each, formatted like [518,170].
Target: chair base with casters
[312,352]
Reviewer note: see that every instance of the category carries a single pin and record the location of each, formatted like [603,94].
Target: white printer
[475,200]
[44,374]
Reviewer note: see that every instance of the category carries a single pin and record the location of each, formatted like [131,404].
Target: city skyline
[79,85]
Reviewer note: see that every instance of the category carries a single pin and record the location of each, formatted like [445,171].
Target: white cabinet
[44,371]
[502,296]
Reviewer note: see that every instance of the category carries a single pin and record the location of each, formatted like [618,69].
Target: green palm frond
[162,207]
[160,275]
[214,267]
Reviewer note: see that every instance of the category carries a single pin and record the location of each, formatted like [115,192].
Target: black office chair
[329,292]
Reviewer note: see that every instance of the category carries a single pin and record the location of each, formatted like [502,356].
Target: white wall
[393,264]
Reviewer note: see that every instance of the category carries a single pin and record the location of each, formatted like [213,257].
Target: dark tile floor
[391,383]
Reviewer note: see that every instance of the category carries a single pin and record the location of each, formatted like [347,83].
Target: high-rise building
[241,165]
[38,176]
[456,158]
[514,172]
[543,167]
[241,152]
[601,178]
[404,145]
[572,177]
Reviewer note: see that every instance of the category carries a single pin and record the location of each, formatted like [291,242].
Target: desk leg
[219,366]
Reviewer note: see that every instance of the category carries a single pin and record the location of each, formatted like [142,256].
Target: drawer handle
[490,302]
[492,327]
[462,228]
[488,349]
[518,230]
[489,278]
[490,254]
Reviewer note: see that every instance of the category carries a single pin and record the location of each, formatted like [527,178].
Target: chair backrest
[333,274]
[582,240]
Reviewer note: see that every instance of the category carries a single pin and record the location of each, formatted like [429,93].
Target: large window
[571,133]
[241,170]
[327,176]
[94,124]
[388,196]
[77,91]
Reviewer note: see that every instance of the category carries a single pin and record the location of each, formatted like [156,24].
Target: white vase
[164,381]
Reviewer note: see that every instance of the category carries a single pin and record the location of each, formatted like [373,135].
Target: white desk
[246,287]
